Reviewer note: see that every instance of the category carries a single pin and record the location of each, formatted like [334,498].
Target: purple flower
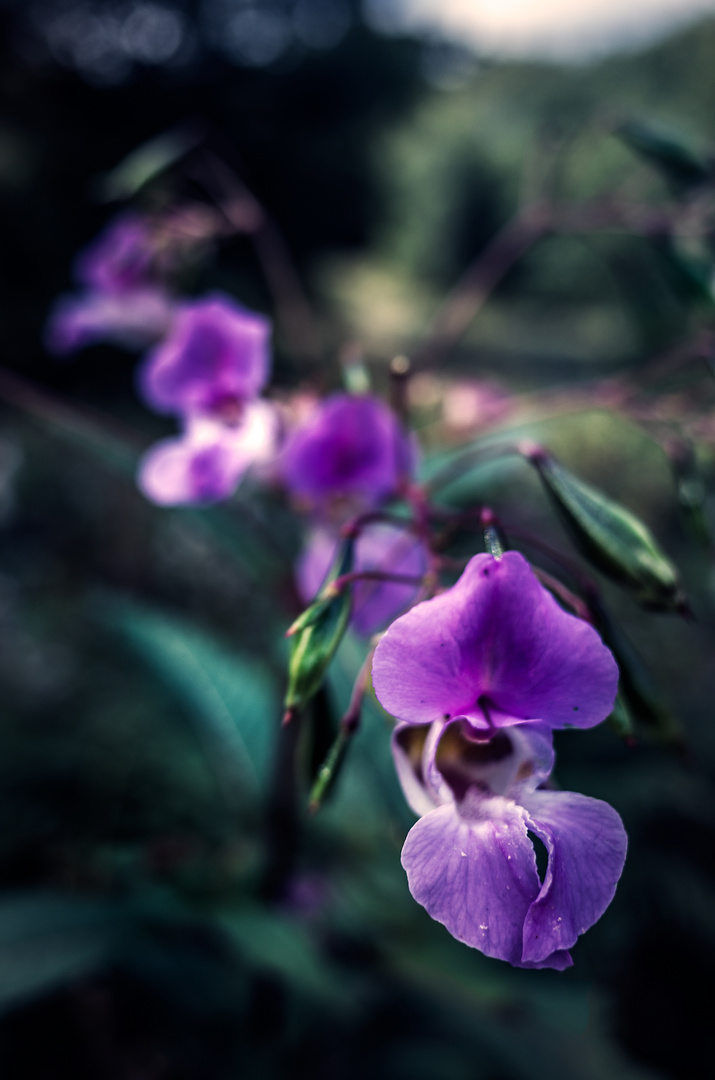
[479,676]
[469,859]
[206,463]
[495,649]
[214,360]
[380,546]
[352,448]
[120,259]
[133,319]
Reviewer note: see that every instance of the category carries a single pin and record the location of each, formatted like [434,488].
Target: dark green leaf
[639,705]
[678,162]
[48,939]
[229,695]
[146,163]
[269,941]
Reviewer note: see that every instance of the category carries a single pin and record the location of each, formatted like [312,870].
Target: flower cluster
[479,678]
[209,363]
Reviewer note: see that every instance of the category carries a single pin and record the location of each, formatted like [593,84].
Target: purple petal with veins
[497,649]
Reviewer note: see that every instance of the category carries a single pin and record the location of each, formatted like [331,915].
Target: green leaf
[639,706]
[678,162]
[608,534]
[269,941]
[145,163]
[320,631]
[620,719]
[230,696]
[48,939]
[692,492]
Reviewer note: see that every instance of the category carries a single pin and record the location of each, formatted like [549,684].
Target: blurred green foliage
[142,670]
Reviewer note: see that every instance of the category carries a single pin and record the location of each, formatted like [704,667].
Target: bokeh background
[141,666]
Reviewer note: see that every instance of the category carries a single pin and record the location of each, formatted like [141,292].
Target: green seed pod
[316,634]
[610,536]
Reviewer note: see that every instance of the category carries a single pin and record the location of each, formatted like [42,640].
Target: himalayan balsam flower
[380,546]
[122,301]
[214,360]
[206,463]
[479,677]
[352,449]
[121,258]
[209,371]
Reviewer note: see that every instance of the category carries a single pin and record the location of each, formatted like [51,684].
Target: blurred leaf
[620,719]
[47,939]
[690,273]
[270,941]
[639,699]
[678,162]
[230,696]
[692,492]
[610,536]
[146,163]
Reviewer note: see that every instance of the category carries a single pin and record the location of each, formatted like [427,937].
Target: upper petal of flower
[215,359]
[477,876]
[352,445]
[120,258]
[587,844]
[496,640]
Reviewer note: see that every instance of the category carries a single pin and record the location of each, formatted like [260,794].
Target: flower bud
[316,634]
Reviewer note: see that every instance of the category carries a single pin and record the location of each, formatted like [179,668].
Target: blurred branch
[510,245]
[476,286]
[246,215]
[81,423]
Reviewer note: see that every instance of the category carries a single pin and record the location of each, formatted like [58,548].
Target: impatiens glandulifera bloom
[469,859]
[123,301]
[214,360]
[132,319]
[495,649]
[352,448]
[380,546]
[479,676]
[206,463]
[120,259]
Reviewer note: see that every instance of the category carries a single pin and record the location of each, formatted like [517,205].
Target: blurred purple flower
[469,859]
[120,259]
[496,650]
[352,448]
[380,546]
[206,463]
[133,319]
[214,360]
